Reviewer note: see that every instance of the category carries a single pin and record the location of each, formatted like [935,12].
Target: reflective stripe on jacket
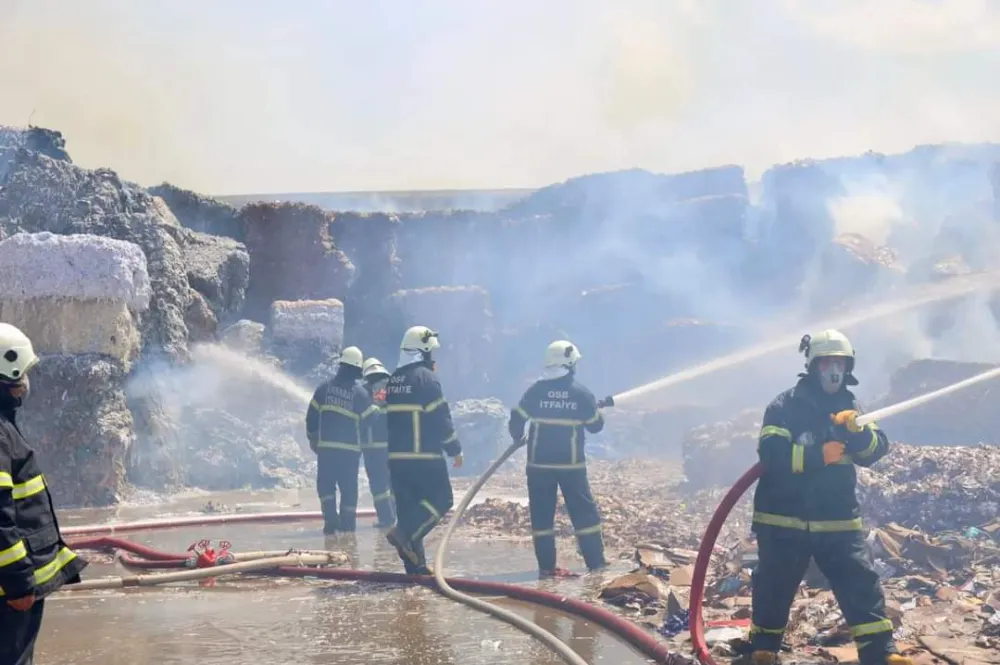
[33,556]
[337,418]
[797,489]
[418,419]
[559,412]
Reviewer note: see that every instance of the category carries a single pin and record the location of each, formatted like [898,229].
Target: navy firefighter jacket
[558,413]
[798,489]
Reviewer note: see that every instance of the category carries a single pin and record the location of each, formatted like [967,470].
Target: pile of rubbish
[934,489]
[638,502]
[942,593]
[942,583]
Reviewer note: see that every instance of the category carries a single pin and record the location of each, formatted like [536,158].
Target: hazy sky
[235,96]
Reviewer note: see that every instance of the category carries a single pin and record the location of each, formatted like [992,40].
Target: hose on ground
[696,624]
[564,650]
[221,570]
[630,633]
[197,520]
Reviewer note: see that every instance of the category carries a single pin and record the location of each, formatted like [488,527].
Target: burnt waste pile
[181,337]
[121,285]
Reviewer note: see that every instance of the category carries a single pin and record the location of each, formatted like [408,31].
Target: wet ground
[279,621]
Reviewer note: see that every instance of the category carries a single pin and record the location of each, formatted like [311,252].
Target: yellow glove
[833,452]
[848,419]
[457,463]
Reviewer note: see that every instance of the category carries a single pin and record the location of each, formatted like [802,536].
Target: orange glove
[22,604]
[833,452]
[457,461]
[848,419]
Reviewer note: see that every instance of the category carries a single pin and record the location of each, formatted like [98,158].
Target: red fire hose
[147,557]
[696,625]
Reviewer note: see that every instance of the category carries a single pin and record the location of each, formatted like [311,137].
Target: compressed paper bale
[219,269]
[201,321]
[80,266]
[307,320]
[41,194]
[481,425]
[293,255]
[77,420]
[464,318]
[68,325]
[244,336]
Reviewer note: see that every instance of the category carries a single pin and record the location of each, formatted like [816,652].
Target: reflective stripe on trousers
[816,526]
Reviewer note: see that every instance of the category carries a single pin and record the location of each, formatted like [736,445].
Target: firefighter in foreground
[805,504]
[559,410]
[336,422]
[34,560]
[374,449]
[420,434]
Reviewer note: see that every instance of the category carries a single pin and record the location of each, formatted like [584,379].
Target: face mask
[831,373]
[18,391]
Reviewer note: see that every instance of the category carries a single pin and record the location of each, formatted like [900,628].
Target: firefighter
[34,560]
[559,411]
[421,432]
[374,449]
[805,504]
[335,422]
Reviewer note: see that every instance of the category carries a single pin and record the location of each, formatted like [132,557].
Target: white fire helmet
[17,355]
[830,344]
[417,343]
[420,338]
[352,356]
[560,358]
[373,367]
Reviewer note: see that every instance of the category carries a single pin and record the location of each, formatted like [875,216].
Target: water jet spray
[952,289]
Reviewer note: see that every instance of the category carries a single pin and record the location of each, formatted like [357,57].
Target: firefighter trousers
[423,495]
[543,488]
[337,471]
[377,470]
[18,632]
[783,555]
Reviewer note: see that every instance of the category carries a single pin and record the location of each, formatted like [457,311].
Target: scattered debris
[942,583]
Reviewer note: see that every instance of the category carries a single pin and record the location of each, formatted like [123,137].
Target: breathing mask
[832,371]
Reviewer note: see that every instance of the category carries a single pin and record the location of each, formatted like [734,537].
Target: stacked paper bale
[293,255]
[463,317]
[305,333]
[79,298]
[369,241]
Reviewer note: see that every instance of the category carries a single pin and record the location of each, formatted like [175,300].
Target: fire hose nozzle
[607,401]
